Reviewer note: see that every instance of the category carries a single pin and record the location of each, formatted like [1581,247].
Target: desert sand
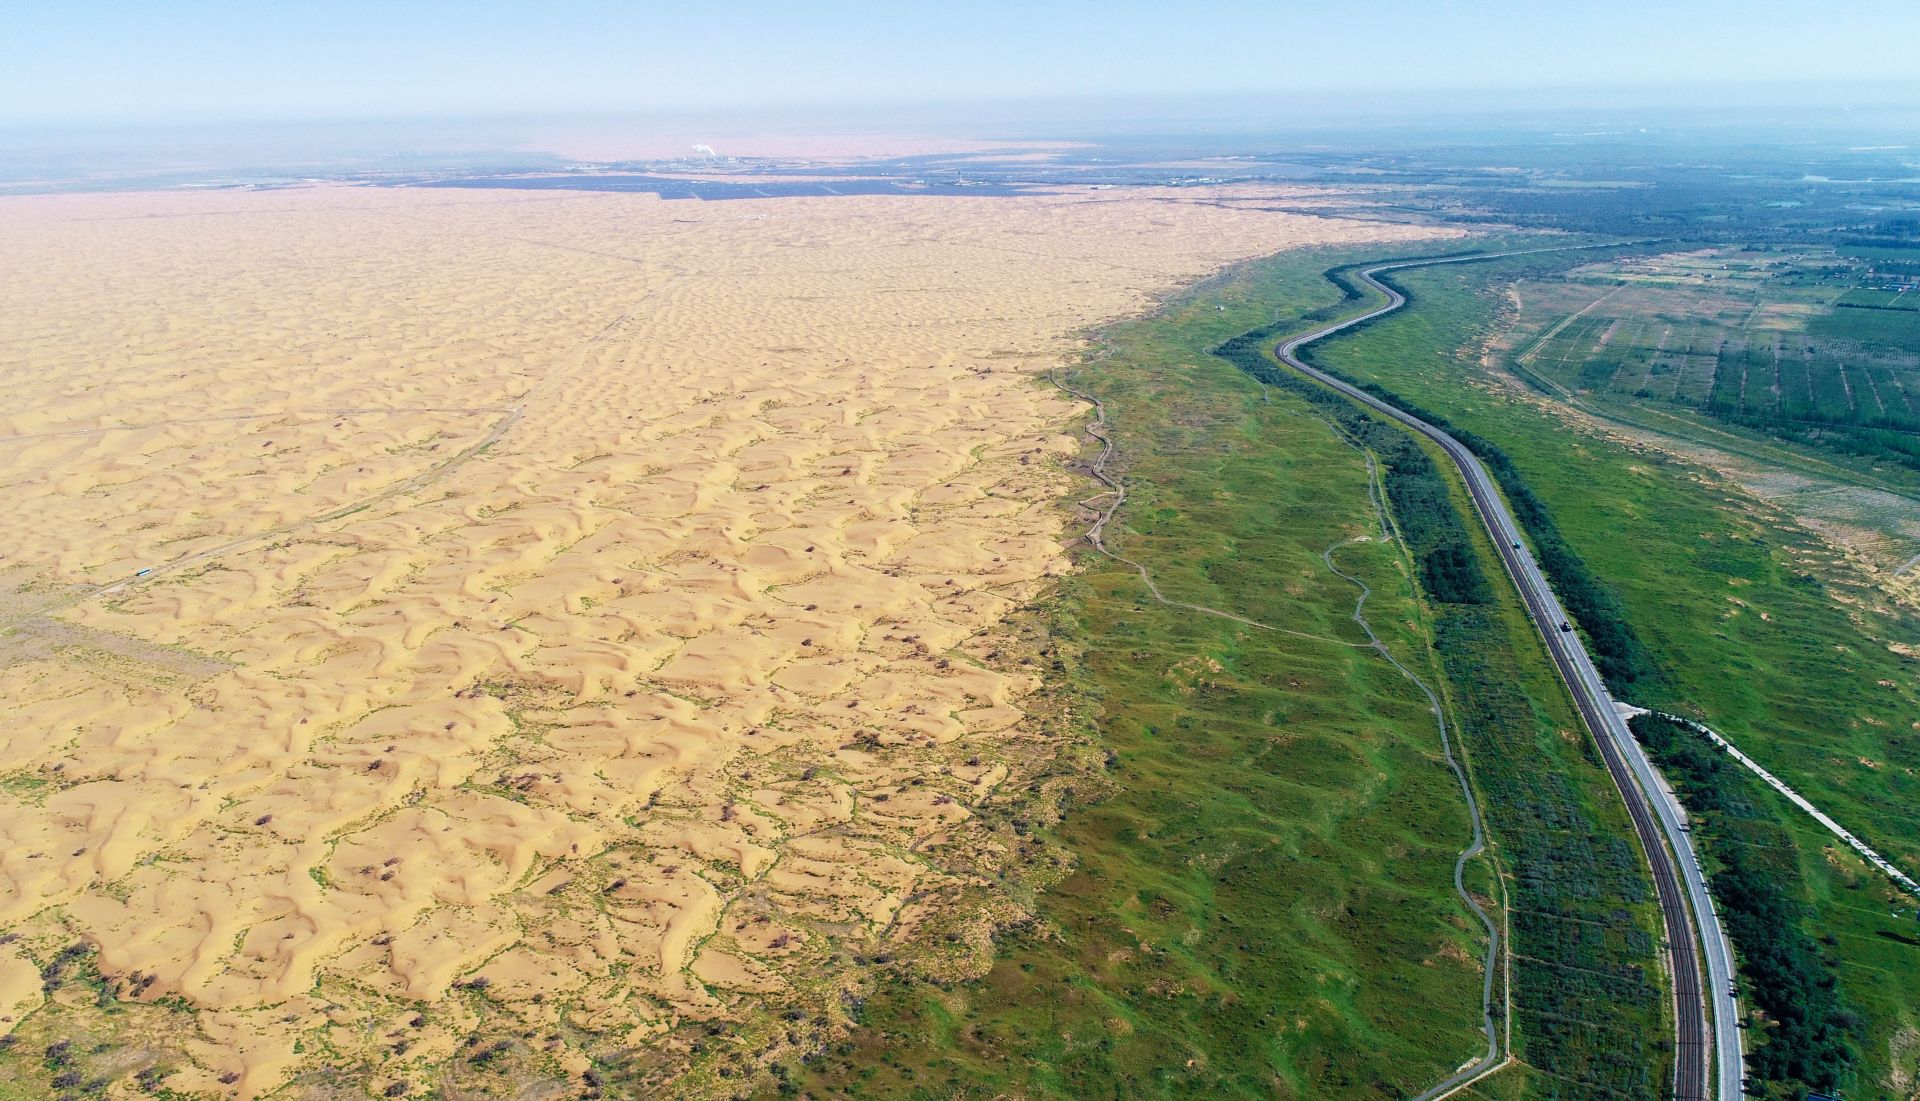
[432,611]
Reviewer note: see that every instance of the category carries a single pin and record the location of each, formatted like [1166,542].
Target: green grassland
[1752,625]
[1261,903]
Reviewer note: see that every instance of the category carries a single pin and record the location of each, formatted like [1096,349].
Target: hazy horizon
[118,64]
[211,90]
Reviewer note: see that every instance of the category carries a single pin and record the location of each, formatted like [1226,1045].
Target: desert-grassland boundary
[1191,883]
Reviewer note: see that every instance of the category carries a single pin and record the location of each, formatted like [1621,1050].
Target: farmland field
[1806,361]
[1740,347]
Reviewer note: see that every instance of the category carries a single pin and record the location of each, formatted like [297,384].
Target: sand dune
[558,604]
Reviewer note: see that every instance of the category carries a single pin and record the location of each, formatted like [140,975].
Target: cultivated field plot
[1737,343]
[460,637]
[1746,349]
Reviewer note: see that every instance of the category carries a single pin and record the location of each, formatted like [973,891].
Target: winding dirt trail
[1494,1058]
[1117,490]
[408,485]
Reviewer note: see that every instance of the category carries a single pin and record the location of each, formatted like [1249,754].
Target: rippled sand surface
[430,612]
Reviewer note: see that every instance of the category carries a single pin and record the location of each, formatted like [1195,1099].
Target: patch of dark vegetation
[1865,441]
[1806,1041]
[68,960]
[1872,306]
[1352,293]
[1901,233]
[1573,880]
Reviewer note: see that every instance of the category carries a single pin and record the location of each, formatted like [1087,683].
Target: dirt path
[1494,1058]
[1117,492]
[408,485]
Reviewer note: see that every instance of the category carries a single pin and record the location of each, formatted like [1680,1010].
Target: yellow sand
[559,591]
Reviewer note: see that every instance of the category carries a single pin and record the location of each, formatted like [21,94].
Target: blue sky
[113,61]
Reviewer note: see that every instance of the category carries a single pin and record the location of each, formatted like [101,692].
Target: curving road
[1657,818]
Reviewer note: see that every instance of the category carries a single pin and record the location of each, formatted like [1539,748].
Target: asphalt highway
[1701,1042]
